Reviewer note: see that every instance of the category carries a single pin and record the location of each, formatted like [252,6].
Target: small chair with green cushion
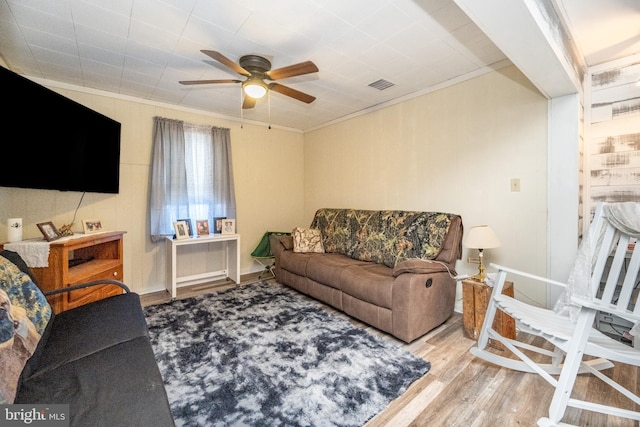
[263,255]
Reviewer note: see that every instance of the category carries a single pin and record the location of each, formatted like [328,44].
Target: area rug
[266,355]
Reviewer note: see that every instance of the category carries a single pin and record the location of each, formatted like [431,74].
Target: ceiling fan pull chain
[269,104]
[241,110]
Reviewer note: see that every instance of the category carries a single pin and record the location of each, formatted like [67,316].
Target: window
[191,175]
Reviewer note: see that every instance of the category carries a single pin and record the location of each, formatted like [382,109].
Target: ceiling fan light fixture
[254,88]
[257,69]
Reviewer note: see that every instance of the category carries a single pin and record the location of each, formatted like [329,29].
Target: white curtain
[191,175]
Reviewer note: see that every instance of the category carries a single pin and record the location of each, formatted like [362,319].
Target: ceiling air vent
[381,84]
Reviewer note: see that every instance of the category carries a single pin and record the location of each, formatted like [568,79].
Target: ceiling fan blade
[306,67]
[226,61]
[202,82]
[248,102]
[286,90]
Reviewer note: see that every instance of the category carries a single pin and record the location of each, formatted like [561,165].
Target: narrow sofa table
[232,270]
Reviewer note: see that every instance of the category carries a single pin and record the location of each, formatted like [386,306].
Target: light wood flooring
[461,390]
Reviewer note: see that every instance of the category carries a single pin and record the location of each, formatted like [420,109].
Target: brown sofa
[390,269]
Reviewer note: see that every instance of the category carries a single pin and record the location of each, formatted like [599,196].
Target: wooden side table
[475,298]
[79,259]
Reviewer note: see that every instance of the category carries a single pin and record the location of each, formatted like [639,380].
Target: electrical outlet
[515,184]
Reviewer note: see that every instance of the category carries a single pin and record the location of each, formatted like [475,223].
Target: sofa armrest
[421,302]
[281,243]
[421,266]
[88,285]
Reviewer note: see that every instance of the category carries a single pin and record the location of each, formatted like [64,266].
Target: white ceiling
[142,48]
[603,30]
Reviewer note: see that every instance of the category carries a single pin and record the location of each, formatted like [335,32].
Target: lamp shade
[255,88]
[482,237]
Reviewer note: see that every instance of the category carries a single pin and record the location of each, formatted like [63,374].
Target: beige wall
[268,170]
[453,150]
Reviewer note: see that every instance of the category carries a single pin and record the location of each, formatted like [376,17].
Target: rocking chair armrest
[528,275]
[87,285]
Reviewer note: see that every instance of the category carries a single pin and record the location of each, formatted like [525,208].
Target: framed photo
[189,228]
[218,222]
[49,231]
[202,225]
[91,225]
[181,230]
[228,226]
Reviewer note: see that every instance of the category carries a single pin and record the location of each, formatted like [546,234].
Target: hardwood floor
[461,390]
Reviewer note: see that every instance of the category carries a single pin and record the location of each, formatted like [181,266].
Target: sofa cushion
[295,262]
[118,386]
[91,328]
[327,269]
[24,315]
[369,282]
[307,240]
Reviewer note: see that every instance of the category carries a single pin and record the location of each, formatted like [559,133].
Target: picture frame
[49,231]
[189,227]
[202,225]
[91,226]
[181,230]
[218,223]
[228,226]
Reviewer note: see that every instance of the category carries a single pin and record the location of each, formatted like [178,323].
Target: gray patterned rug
[264,355]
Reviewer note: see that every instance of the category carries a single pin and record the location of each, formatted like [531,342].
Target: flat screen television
[52,142]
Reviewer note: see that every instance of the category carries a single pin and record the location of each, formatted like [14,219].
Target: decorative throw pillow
[24,314]
[16,259]
[307,240]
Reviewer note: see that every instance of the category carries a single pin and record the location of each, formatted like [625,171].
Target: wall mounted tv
[55,143]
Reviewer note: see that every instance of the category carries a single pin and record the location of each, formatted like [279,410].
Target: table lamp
[481,237]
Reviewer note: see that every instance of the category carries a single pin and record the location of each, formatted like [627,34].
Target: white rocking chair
[615,293]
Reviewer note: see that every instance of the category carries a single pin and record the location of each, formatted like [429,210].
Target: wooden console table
[232,270]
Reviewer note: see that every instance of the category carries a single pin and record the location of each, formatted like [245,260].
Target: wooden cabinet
[80,260]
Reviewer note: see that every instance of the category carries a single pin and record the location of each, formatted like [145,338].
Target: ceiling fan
[258,69]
